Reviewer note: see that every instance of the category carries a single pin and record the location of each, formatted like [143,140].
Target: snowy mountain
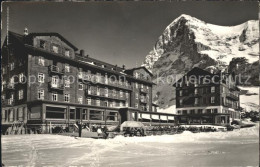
[188,42]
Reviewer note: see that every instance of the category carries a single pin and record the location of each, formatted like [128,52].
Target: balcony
[232,96]
[10,86]
[55,70]
[56,86]
[8,102]
[106,96]
[143,100]
[143,90]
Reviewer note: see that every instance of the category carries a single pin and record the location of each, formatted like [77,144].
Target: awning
[155,116]
[163,117]
[170,117]
[146,116]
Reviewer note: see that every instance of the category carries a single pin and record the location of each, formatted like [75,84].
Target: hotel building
[45,80]
[207,98]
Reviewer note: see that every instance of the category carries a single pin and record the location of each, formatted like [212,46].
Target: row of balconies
[103,80]
[105,95]
[96,79]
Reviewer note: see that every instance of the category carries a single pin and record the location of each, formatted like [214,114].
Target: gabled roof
[194,71]
[141,67]
[22,39]
[53,34]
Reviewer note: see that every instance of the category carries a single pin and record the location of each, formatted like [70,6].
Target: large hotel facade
[45,80]
[207,98]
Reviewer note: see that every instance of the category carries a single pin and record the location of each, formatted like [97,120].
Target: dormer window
[67,53]
[42,44]
[55,49]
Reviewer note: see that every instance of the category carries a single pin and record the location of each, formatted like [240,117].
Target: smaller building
[204,98]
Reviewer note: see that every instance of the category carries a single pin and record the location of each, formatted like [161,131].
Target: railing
[143,90]
[8,102]
[109,96]
[231,95]
[10,86]
[55,69]
[58,86]
[103,80]
[143,100]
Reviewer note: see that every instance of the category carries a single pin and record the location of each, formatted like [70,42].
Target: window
[98,91]
[12,66]
[136,105]
[212,89]
[54,96]
[114,93]
[41,61]
[54,81]
[223,89]
[136,95]
[89,101]
[136,85]
[89,89]
[192,111]
[80,100]
[80,86]
[67,53]
[41,94]
[180,83]
[179,111]
[67,68]
[55,49]
[4,70]
[21,78]
[200,111]
[106,92]
[106,103]
[147,107]
[212,99]
[121,104]
[196,84]
[126,104]
[181,101]
[196,101]
[67,83]
[142,85]
[121,93]
[20,94]
[208,111]
[187,83]
[196,91]
[215,110]
[40,77]
[180,92]
[114,104]
[42,44]
[66,98]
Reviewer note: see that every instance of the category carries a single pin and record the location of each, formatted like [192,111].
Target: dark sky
[118,32]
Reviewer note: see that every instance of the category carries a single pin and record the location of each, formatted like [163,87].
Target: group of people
[101,131]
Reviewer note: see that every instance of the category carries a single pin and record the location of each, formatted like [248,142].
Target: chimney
[25,32]
[123,67]
[82,52]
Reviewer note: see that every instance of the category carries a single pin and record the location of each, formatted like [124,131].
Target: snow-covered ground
[250,100]
[236,148]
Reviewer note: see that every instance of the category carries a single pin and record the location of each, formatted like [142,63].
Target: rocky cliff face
[189,42]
